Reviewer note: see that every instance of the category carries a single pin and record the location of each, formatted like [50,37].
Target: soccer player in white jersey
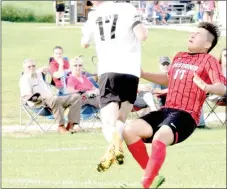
[117,32]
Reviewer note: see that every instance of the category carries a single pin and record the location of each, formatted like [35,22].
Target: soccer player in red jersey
[177,120]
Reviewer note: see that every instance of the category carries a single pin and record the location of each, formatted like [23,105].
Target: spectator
[154,95]
[222,61]
[59,7]
[200,12]
[209,8]
[32,83]
[163,16]
[58,67]
[77,82]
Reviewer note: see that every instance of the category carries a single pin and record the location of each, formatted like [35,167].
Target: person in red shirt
[77,82]
[177,120]
[58,67]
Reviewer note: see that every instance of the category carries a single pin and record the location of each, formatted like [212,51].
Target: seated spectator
[163,15]
[154,95]
[222,62]
[58,66]
[31,82]
[77,82]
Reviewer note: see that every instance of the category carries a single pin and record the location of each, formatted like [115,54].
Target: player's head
[204,38]
[58,52]
[76,65]
[29,66]
[164,63]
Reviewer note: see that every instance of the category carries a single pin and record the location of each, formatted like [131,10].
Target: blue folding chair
[35,112]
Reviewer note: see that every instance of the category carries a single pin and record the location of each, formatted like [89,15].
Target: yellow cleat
[119,157]
[107,160]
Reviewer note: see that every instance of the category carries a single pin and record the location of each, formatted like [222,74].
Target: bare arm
[159,78]
[216,88]
[60,72]
[141,32]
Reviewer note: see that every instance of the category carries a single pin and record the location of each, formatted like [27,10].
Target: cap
[164,59]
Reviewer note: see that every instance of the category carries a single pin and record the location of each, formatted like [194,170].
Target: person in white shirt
[31,83]
[117,32]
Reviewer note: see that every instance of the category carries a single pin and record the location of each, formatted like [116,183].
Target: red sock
[155,163]
[139,152]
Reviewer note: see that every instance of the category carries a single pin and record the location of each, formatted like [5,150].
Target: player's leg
[109,105]
[125,109]
[177,126]
[57,18]
[61,14]
[139,132]
[127,86]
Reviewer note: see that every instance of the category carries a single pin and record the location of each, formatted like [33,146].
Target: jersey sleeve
[88,29]
[214,71]
[134,18]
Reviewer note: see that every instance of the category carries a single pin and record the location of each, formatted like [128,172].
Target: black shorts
[115,87]
[60,8]
[181,123]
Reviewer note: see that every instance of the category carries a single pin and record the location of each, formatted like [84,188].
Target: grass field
[38,7]
[22,40]
[69,161]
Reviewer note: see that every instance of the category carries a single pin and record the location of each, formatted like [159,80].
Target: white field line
[102,147]
[64,182]
[85,183]
[54,149]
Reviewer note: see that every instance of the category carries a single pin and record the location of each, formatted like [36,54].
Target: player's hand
[45,69]
[199,82]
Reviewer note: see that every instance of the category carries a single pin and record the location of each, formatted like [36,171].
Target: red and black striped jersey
[183,93]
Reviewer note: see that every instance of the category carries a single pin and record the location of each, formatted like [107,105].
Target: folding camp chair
[89,114]
[35,112]
[213,104]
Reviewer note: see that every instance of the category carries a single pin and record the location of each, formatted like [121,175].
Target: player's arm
[134,19]
[159,78]
[218,81]
[88,31]
[216,88]
[140,31]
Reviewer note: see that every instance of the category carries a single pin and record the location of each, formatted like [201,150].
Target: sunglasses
[165,64]
[33,66]
[78,65]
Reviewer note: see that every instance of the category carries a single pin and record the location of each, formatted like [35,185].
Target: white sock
[119,127]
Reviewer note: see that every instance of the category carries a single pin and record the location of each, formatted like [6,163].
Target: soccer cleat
[119,157]
[118,152]
[159,180]
[107,160]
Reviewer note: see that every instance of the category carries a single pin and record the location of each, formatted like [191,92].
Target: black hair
[213,30]
[58,47]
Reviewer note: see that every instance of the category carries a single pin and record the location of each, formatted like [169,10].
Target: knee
[129,130]
[165,135]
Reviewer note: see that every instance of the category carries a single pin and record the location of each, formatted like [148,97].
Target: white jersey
[111,27]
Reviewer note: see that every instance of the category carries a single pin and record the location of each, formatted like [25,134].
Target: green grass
[69,161]
[22,40]
[38,7]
